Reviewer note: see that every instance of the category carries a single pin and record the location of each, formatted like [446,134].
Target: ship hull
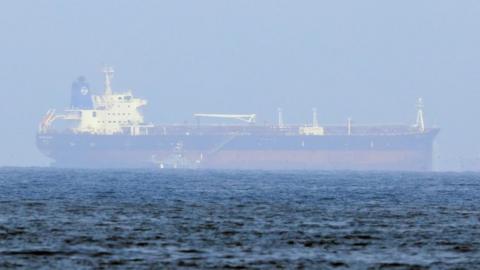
[401,152]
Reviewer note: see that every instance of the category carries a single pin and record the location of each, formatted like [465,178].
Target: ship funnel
[420,120]
[108,71]
[81,97]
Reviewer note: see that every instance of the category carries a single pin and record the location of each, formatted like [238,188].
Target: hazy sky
[368,60]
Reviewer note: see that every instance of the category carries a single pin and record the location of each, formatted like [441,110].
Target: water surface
[51,218]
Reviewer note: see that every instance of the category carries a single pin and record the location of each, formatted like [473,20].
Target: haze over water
[55,218]
[369,60]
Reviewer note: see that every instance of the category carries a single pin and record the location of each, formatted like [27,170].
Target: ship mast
[420,122]
[314,120]
[349,126]
[108,71]
[280,118]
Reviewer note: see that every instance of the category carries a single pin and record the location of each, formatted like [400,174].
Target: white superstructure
[111,113]
[315,129]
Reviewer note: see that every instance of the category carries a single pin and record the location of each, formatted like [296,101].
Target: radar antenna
[108,71]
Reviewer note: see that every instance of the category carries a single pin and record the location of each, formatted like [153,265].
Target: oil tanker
[108,130]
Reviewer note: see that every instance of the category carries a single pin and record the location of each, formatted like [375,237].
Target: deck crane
[248,118]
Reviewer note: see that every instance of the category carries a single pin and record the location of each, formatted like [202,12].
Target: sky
[368,60]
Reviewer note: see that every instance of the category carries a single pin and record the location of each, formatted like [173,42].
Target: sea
[196,219]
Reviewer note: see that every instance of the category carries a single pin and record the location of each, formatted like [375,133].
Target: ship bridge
[111,113]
